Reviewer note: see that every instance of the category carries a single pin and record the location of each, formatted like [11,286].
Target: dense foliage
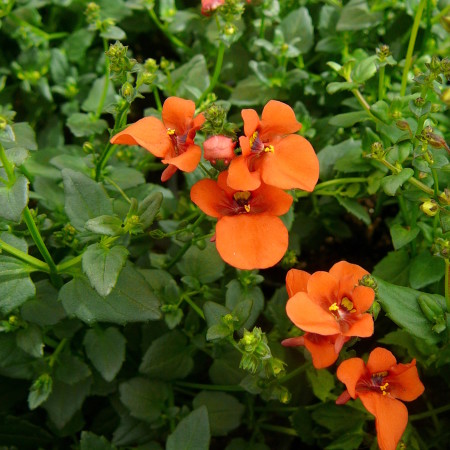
[179,270]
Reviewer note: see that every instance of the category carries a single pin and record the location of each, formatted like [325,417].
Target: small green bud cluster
[66,236]
[216,122]
[441,247]
[119,63]
[383,51]
[12,324]
[377,151]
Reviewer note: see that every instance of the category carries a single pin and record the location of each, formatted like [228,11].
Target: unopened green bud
[277,366]
[435,107]
[433,312]
[13,320]
[435,64]
[128,92]
[419,101]
[377,150]
[157,234]
[369,281]
[164,63]
[3,123]
[230,29]
[429,207]
[250,363]
[403,125]
[88,148]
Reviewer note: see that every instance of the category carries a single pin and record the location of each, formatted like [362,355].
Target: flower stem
[157,98]
[427,414]
[381,83]
[279,429]
[216,74]
[363,102]
[412,41]
[190,302]
[106,85]
[294,373]
[19,254]
[55,354]
[66,265]
[211,387]
[447,287]
[175,41]
[9,168]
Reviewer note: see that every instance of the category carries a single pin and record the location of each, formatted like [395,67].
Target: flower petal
[270,200]
[177,114]
[251,121]
[323,289]
[292,165]
[296,281]
[240,178]
[391,418]
[349,275]
[149,133]
[250,241]
[188,160]
[362,327]
[168,172]
[278,119]
[380,360]
[322,350]
[404,382]
[349,372]
[208,196]
[306,314]
[362,298]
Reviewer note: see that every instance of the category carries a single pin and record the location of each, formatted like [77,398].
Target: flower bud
[429,207]
[211,5]
[219,149]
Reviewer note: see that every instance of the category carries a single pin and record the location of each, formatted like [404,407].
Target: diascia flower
[171,139]
[249,235]
[381,384]
[331,307]
[272,153]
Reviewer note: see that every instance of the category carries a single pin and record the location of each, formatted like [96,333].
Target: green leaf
[348,119]
[401,306]
[337,86]
[84,125]
[391,183]
[65,400]
[206,265]
[402,236]
[20,433]
[40,391]
[106,225]
[214,313]
[90,441]
[224,411]
[149,208]
[168,357]
[145,399]
[103,265]
[13,199]
[394,268]
[353,207]
[95,95]
[71,369]
[16,286]
[237,294]
[23,135]
[44,309]
[250,91]
[297,26]
[106,350]
[132,300]
[365,69]
[356,15]
[85,199]
[191,79]
[339,418]
[192,433]
[30,340]
[347,441]
[330,154]
[322,383]
[426,269]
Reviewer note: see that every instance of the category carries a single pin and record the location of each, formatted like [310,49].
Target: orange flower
[271,153]
[172,139]
[249,235]
[379,384]
[330,303]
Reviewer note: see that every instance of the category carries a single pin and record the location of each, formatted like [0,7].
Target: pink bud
[211,5]
[219,148]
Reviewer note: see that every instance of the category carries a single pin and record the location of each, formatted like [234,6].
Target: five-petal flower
[380,385]
[249,235]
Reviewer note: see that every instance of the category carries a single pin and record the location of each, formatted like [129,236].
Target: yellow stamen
[334,307]
[247,208]
[384,387]
[348,304]
[252,139]
[380,374]
[269,149]
[241,196]
[170,131]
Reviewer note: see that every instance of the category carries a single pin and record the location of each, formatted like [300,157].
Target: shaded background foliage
[122,344]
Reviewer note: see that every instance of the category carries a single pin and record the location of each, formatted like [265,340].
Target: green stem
[106,85]
[412,41]
[447,287]
[438,17]
[427,414]
[179,255]
[19,254]
[61,268]
[340,181]
[211,387]
[55,354]
[157,98]
[381,83]
[206,171]
[190,302]
[122,193]
[294,373]
[9,168]
[363,102]
[37,238]
[216,74]
[278,429]
[175,41]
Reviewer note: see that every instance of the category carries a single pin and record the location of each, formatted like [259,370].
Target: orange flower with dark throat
[272,153]
[172,139]
[380,385]
[330,304]
[249,235]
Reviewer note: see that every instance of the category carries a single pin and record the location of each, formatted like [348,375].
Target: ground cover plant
[224,224]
